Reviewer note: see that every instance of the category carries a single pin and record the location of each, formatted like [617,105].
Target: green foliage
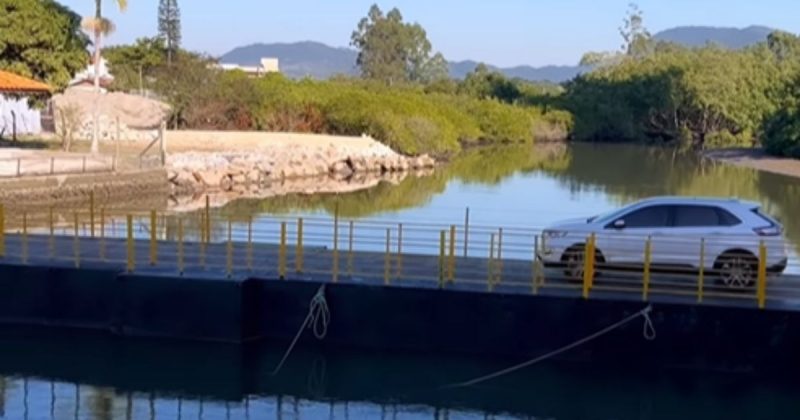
[134,66]
[393,51]
[781,130]
[42,40]
[169,26]
[702,97]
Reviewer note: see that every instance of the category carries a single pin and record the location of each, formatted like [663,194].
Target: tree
[392,51]
[41,40]
[169,26]
[178,83]
[133,65]
[637,40]
[100,26]
[483,83]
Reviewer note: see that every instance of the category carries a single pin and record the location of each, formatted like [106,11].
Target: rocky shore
[195,172]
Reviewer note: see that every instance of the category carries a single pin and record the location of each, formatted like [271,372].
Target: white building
[268,65]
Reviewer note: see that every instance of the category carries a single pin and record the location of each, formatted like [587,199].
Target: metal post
[129,239]
[180,246]
[298,259]
[761,285]
[250,243]
[535,266]
[83,167]
[51,242]
[648,252]
[208,220]
[441,258]
[2,231]
[466,232]
[282,253]
[24,237]
[399,259]
[451,261]
[153,238]
[91,213]
[490,265]
[499,266]
[387,258]
[701,274]
[52,165]
[350,249]
[229,251]
[19,167]
[336,244]
[77,244]
[102,233]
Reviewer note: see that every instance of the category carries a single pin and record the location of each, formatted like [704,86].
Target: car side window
[653,216]
[699,216]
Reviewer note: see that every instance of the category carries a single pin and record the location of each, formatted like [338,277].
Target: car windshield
[609,216]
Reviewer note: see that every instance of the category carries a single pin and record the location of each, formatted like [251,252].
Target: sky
[500,32]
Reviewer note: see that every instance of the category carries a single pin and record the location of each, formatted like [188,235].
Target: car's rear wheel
[737,269]
[573,260]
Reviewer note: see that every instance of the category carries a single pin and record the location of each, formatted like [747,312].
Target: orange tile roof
[12,83]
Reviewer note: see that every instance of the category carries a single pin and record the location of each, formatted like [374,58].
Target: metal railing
[481,258]
[55,165]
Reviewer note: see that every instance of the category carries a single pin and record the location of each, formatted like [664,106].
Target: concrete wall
[28,120]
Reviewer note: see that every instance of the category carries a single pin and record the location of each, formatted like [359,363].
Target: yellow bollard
[229,251]
[588,266]
[466,233]
[153,239]
[336,244]
[24,237]
[648,252]
[399,250]
[208,220]
[250,244]
[91,213]
[129,240]
[282,253]
[350,249]
[387,258]
[181,264]
[451,261]
[761,285]
[701,274]
[499,266]
[298,258]
[77,244]
[441,258]
[490,265]
[102,234]
[2,231]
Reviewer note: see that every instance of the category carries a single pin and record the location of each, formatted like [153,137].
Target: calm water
[91,377]
[532,187]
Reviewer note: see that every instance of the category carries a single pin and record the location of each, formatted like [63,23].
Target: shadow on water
[94,376]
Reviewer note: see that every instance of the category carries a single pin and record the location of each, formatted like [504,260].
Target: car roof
[719,201]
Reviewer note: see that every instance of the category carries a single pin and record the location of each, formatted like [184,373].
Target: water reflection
[80,376]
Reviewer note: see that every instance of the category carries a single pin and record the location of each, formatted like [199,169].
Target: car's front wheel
[737,269]
[573,261]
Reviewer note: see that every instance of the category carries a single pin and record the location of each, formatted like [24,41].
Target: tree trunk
[97,40]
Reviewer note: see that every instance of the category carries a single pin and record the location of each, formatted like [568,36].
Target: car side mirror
[619,224]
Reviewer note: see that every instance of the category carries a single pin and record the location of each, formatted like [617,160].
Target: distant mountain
[320,61]
[698,36]
[298,59]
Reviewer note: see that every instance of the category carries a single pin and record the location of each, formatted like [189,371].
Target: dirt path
[757,159]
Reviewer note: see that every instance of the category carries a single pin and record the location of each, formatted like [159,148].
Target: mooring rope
[317,320]
[649,333]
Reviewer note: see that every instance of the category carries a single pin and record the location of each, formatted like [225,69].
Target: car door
[626,235]
[693,225]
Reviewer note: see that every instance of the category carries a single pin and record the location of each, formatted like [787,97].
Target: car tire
[573,261]
[736,269]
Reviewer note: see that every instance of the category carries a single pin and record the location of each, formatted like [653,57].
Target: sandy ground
[757,159]
[181,141]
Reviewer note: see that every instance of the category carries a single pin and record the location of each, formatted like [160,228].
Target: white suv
[728,231]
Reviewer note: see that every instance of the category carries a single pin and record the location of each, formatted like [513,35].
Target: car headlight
[550,233]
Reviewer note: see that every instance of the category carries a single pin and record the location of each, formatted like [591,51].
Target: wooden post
[162,134]
[19,167]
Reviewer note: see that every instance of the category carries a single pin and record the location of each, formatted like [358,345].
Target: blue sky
[501,32]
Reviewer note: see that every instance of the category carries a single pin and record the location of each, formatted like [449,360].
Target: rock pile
[194,172]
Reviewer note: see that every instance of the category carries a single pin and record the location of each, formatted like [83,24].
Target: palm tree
[100,26]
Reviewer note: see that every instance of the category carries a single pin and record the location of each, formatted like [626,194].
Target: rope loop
[648,330]
[317,320]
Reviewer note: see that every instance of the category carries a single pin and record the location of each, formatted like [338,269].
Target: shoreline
[755,159]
